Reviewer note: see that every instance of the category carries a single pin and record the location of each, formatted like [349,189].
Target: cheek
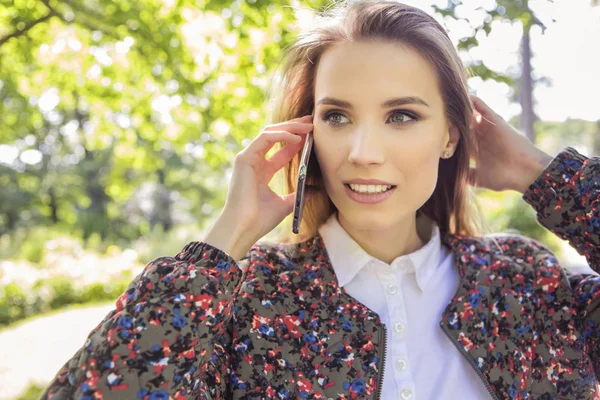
[420,170]
[325,153]
[329,156]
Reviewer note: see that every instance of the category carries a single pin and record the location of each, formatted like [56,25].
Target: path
[34,351]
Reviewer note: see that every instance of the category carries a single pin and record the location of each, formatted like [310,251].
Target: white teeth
[369,188]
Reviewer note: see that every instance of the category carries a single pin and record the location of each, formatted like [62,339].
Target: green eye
[410,115]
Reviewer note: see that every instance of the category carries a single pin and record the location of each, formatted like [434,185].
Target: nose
[365,148]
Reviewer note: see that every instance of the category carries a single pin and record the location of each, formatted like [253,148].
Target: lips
[368,198]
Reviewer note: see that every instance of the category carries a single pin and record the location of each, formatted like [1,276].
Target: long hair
[453,205]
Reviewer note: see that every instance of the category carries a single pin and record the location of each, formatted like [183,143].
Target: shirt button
[401,364]
[399,327]
[392,289]
[406,394]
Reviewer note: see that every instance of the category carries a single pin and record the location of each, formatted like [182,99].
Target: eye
[405,114]
[402,120]
[327,119]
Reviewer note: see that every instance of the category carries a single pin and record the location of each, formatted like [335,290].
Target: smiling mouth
[387,188]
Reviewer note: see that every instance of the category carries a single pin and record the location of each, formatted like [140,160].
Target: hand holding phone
[252,209]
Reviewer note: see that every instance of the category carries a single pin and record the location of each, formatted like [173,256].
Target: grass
[53,312]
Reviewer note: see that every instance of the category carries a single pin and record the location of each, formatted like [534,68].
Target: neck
[387,244]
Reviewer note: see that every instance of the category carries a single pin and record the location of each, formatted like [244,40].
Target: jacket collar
[348,258]
[461,245]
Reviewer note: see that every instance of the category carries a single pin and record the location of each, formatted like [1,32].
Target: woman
[389,295]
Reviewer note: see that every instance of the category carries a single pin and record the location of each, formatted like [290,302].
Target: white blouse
[409,295]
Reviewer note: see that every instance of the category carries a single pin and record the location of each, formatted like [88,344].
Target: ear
[454,137]
[452,141]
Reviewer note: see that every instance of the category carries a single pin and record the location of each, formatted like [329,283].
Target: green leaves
[115,93]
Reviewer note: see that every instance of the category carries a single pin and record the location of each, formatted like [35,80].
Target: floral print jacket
[195,326]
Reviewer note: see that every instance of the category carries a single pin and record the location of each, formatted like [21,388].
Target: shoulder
[266,259]
[273,270]
[506,244]
[520,246]
[525,253]
[508,249]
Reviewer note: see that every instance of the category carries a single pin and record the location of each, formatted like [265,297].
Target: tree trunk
[93,170]
[53,204]
[526,87]
[161,209]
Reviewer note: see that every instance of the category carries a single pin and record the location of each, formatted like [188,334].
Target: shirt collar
[348,258]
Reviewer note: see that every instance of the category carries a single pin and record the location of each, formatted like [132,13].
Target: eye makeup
[410,114]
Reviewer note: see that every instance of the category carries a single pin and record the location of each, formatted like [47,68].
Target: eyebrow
[395,102]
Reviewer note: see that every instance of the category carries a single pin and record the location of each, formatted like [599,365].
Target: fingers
[477,102]
[292,132]
[302,119]
[267,139]
[282,157]
[286,124]
[271,137]
[483,112]
[482,107]
[285,131]
[292,127]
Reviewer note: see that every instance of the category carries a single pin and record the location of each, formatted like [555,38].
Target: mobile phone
[301,182]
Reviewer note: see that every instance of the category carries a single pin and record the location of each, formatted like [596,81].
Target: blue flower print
[179,322]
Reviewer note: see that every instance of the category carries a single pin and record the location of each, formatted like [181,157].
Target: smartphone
[301,182]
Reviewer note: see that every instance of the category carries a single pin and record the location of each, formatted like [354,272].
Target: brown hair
[453,205]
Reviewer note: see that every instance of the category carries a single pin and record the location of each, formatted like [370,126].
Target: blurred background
[119,119]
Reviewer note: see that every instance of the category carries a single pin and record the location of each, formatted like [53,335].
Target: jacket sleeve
[169,335]
[566,197]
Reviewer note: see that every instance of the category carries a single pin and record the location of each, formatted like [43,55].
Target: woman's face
[400,144]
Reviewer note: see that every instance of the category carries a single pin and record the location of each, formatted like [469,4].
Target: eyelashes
[414,117]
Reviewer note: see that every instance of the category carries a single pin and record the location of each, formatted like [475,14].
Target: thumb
[288,201]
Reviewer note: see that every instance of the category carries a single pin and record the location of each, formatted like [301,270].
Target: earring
[446,154]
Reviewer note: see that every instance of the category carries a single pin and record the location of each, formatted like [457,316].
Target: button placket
[390,283]
[398,321]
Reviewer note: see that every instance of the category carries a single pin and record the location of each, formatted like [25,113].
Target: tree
[524,85]
[101,97]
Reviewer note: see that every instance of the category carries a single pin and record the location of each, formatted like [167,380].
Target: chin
[369,220]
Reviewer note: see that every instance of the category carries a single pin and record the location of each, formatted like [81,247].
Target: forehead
[372,70]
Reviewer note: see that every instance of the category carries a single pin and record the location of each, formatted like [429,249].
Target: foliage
[33,392]
[27,243]
[116,111]
[69,273]
[53,294]
[507,212]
